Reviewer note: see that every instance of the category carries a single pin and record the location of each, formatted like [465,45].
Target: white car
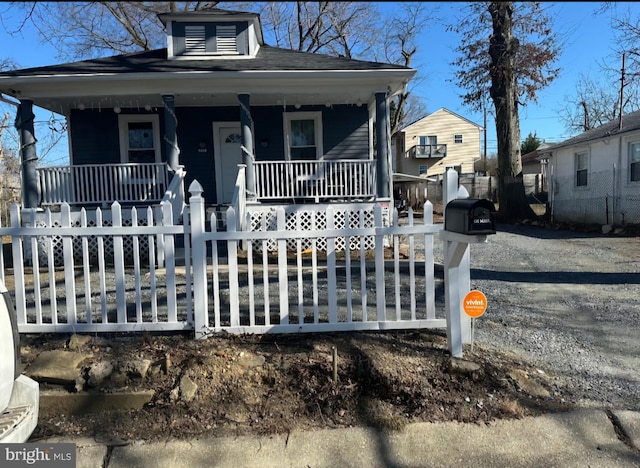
[19,395]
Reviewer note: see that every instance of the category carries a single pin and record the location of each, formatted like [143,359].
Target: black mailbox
[470,216]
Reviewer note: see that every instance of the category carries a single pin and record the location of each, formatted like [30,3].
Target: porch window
[303,134]
[139,138]
[582,167]
[634,162]
[457,138]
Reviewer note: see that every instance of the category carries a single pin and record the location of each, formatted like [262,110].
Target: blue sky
[588,41]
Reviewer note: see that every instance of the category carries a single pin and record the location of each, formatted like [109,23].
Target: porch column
[382,145]
[28,157]
[246,131]
[170,136]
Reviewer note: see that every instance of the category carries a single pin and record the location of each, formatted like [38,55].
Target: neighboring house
[432,144]
[595,176]
[533,162]
[142,126]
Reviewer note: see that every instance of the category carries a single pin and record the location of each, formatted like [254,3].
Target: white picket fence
[138,279]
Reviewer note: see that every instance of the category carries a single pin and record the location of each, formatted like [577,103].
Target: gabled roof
[440,110]
[630,122]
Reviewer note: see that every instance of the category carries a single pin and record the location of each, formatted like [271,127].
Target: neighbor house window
[457,138]
[582,167]
[426,144]
[139,138]
[428,140]
[422,169]
[634,162]
[303,133]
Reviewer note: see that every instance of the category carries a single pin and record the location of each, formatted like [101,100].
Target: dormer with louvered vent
[211,34]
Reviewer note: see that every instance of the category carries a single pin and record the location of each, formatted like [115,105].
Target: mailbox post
[466,221]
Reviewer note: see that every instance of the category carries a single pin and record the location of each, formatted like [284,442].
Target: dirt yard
[232,385]
[560,331]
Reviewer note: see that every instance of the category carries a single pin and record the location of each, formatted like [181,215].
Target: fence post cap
[195,188]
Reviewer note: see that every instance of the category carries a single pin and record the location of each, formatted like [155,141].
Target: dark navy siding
[346,132]
[195,125]
[268,126]
[94,137]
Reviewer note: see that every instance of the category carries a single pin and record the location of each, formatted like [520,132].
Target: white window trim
[316,117]
[575,169]
[123,130]
[629,162]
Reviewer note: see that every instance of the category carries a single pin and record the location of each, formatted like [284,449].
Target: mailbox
[471,216]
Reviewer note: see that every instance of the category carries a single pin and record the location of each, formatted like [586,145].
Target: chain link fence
[607,198]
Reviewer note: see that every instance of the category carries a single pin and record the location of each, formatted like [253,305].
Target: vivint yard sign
[474,303]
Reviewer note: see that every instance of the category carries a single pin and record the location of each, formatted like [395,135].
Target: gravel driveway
[569,302]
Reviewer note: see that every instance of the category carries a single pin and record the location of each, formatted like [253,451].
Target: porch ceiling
[60,94]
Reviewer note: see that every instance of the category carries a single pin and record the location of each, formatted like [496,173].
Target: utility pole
[621,92]
[484,108]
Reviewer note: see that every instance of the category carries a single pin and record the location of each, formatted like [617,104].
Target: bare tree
[597,102]
[91,29]
[627,26]
[400,47]
[335,28]
[507,51]
[9,171]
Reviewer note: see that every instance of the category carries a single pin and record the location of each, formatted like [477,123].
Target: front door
[228,154]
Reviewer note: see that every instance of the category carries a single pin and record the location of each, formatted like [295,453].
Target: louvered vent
[195,41]
[226,38]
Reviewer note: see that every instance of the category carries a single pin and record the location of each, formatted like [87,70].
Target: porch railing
[428,151]
[348,179]
[103,183]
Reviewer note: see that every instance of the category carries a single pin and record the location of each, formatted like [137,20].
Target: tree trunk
[503,48]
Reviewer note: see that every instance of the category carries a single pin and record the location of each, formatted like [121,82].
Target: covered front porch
[331,173]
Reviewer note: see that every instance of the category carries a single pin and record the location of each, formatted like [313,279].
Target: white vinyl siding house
[595,176]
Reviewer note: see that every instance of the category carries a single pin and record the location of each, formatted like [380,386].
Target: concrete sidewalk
[583,438]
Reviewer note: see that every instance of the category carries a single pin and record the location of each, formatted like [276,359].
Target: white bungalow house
[256,125]
[435,143]
[595,176]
